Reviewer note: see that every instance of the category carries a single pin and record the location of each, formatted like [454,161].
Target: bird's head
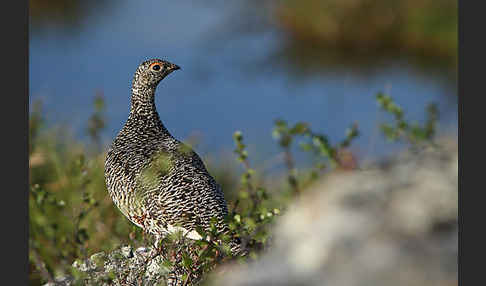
[151,72]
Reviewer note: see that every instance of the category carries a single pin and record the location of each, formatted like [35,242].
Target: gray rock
[122,266]
[393,223]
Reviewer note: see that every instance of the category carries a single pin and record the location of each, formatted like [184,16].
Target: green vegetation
[423,29]
[403,130]
[71,215]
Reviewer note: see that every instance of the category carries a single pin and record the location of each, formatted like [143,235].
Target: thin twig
[289,162]
[41,266]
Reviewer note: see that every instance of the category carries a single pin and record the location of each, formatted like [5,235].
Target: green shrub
[426,29]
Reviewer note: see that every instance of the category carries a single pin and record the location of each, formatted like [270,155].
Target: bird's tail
[237,248]
[174,278]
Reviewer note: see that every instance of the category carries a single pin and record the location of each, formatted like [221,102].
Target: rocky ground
[123,266]
[394,223]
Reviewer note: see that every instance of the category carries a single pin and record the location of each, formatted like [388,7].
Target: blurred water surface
[230,79]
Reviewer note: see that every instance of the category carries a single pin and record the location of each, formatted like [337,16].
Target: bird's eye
[156,67]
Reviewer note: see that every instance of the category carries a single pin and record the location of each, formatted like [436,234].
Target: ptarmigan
[157,182]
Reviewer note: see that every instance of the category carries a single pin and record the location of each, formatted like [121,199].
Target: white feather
[189,234]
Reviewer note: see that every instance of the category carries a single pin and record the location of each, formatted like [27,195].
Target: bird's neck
[143,110]
[143,101]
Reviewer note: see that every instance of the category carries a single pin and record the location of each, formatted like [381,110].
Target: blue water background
[225,83]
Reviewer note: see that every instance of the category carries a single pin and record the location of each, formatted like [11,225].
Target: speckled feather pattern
[182,192]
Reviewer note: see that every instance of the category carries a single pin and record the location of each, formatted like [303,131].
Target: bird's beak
[174,67]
